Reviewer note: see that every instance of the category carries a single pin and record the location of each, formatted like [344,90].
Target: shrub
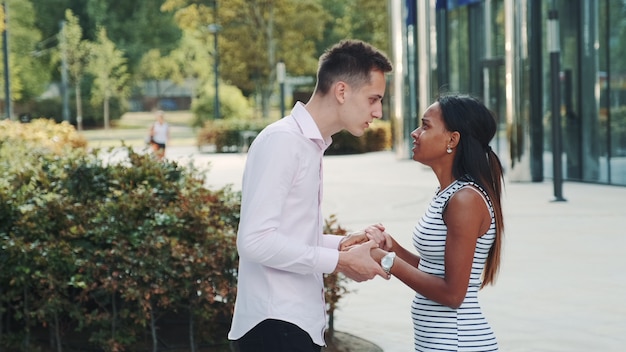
[334,283]
[233,104]
[93,116]
[107,248]
[113,252]
[41,133]
[226,135]
[376,138]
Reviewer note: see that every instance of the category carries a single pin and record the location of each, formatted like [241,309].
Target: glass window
[612,65]
[458,50]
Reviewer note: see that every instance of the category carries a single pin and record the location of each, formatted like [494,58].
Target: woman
[459,237]
[159,135]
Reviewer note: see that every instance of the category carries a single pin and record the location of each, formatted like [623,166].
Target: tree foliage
[28,74]
[255,35]
[106,246]
[75,50]
[108,65]
[170,38]
[135,26]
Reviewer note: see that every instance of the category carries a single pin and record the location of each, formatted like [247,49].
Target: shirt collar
[308,127]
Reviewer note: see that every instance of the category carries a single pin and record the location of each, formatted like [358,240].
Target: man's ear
[455,138]
[339,88]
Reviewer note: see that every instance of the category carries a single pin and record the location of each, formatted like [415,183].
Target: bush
[98,252]
[226,135]
[376,138]
[93,116]
[233,104]
[115,255]
[334,283]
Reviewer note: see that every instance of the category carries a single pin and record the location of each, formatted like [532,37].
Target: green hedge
[376,138]
[226,136]
[113,251]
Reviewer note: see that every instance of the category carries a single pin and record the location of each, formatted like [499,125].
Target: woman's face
[431,139]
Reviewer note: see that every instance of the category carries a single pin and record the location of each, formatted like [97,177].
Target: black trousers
[276,336]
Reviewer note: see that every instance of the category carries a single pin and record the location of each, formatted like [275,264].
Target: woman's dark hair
[474,158]
[350,61]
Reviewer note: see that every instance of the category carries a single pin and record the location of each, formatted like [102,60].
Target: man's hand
[374,232]
[357,263]
[352,239]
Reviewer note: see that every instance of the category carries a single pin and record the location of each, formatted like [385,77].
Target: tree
[255,35]
[135,26]
[27,72]
[75,50]
[108,65]
[367,20]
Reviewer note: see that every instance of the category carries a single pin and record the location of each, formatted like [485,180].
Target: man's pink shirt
[283,252]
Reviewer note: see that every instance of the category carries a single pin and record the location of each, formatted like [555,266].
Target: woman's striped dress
[437,327]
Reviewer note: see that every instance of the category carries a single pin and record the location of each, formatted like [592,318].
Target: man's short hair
[350,61]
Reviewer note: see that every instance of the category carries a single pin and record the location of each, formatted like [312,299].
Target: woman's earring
[449,150]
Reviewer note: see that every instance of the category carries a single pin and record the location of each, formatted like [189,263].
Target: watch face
[387,261]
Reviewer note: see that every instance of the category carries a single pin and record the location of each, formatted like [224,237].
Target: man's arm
[271,170]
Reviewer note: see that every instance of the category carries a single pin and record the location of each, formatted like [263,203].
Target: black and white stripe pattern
[437,327]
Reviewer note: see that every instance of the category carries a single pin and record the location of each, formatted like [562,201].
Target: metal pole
[280,77]
[64,74]
[555,70]
[216,61]
[7,77]
[217,83]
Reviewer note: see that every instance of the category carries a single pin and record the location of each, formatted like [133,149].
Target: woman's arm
[465,217]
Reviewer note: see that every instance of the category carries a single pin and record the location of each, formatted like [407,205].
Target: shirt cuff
[331,241]
[328,260]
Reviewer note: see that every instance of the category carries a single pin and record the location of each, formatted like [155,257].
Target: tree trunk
[1,322]
[57,333]
[192,342]
[26,341]
[79,108]
[114,318]
[107,124]
[265,102]
[153,329]
[330,333]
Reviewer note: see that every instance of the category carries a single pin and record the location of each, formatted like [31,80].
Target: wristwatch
[387,262]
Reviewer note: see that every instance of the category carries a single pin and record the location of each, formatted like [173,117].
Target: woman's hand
[378,234]
[374,232]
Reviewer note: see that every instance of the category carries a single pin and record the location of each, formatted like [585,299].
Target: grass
[133,127]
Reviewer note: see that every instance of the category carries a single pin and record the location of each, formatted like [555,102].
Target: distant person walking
[159,135]
[283,252]
[459,237]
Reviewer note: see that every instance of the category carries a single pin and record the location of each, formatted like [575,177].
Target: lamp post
[214,29]
[281,72]
[7,77]
[555,70]
[64,73]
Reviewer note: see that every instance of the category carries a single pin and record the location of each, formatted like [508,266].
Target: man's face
[363,105]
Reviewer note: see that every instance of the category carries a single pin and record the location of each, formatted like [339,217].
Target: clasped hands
[360,253]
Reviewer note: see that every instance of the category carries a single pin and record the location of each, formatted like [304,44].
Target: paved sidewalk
[562,284]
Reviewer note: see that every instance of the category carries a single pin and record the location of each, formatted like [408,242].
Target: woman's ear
[455,138]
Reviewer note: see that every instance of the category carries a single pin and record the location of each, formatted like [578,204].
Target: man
[283,252]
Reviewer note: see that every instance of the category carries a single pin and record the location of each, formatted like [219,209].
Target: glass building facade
[524,59]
